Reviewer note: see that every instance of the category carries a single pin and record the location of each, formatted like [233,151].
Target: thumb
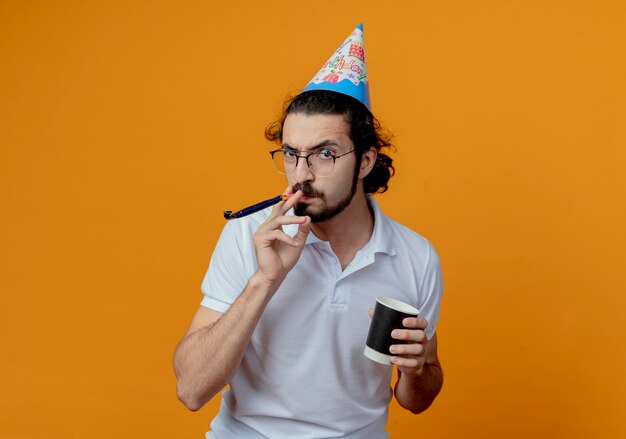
[303,232]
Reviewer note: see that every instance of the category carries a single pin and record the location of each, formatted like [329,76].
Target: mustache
[307,189]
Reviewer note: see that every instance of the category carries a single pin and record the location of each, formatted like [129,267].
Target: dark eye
[290,154]
[326,154]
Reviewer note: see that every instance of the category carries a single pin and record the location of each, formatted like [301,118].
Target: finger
[415,322]
[371,312]
[405,362]
[276,222]
[303,230]
[277,235]
[413,349]
[292,201]
[414,335]
[282,207]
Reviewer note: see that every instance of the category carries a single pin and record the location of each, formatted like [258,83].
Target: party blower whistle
[228,214]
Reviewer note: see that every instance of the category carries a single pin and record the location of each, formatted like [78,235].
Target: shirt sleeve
[233,262]
[431,291]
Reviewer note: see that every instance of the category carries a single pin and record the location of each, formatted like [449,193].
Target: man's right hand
[211,351]
[276,251]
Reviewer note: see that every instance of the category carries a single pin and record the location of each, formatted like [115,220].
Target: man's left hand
[410,356]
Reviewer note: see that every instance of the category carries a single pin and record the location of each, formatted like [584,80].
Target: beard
[326,212]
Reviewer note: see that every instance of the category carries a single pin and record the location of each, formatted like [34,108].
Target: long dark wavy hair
[365,130]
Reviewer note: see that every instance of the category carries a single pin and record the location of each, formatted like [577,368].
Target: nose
[302,172]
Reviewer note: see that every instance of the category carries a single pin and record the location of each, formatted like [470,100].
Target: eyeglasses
[321,163]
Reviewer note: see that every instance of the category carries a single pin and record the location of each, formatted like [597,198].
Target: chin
[322,214]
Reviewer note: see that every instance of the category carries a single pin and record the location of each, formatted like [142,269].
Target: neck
[348,231]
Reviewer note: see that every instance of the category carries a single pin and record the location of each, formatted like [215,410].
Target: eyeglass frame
[308,163]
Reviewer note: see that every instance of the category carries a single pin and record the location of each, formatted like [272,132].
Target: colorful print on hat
[345,72]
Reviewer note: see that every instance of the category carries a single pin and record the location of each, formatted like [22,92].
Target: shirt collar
[381,240]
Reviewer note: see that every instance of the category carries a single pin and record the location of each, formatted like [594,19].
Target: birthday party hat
[345,72]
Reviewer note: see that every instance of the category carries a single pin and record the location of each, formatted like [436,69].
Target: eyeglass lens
[319,163]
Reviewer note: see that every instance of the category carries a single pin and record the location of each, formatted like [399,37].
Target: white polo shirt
[304,374]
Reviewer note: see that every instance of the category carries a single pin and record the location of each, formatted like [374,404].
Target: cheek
[290,179]
[338,188]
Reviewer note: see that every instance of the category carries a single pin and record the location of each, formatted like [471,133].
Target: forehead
[302,131]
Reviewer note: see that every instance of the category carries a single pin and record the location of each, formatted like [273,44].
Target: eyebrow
[318,146]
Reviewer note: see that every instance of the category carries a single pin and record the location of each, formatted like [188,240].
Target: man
[284,317]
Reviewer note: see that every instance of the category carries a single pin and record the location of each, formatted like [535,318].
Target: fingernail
[395,333]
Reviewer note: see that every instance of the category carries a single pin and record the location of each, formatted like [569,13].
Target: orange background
[127,127]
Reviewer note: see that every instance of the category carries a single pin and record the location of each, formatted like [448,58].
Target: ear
[368,160]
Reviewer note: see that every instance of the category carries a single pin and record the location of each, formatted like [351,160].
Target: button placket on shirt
[337,293]
[331,262]
[341,292]
[335,296]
